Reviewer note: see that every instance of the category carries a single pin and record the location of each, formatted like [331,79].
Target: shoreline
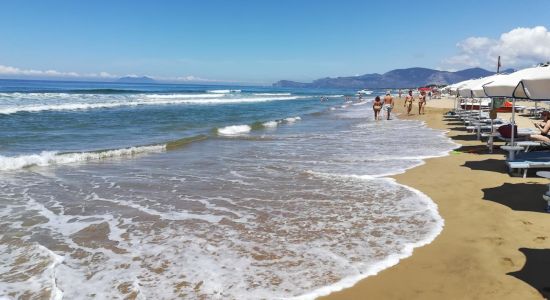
[480,241]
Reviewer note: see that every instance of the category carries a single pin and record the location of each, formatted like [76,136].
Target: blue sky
[251,41]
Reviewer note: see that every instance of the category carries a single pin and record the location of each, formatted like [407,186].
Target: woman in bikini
[409,102]
[377,107]
[544,128]
[421,102]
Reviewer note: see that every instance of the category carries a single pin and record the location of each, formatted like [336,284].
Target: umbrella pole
[479,122]
[513,120]
[456,107]
[491,138]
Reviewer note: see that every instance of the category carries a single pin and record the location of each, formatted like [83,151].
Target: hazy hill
[399,78]
[136,79]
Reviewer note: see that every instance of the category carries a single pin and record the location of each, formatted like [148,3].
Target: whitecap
[270,124]
[234,130]
[47,158]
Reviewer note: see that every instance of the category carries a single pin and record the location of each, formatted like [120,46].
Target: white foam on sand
[393,259]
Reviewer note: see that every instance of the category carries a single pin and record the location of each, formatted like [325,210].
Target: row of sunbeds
[521,157]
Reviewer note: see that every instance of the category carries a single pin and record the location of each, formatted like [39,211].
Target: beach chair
[529,160]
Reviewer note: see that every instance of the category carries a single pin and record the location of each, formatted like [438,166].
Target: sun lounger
[523,134]
[529,160]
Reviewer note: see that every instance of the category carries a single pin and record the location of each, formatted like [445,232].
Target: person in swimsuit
[409,99]
[377,107]
[544,128]
[421,102]
[388,104]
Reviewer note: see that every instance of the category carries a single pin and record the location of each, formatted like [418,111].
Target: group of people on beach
[388,103]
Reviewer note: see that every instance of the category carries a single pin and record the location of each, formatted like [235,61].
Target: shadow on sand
[464,137]
[455,123]
[492,165]
[482,148]
[536,271]
[519,196]
[463,128]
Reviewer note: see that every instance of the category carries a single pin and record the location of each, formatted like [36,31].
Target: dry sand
[489,216]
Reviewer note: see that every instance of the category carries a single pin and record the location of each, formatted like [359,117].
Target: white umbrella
[474,89]
[462,90]
[505,85]
[453,91]
[535,84]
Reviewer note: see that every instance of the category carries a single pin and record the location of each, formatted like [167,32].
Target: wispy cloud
[519,47]
[14,71]
[9,71]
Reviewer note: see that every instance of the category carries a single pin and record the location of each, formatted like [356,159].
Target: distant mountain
[400,78]
[136,79]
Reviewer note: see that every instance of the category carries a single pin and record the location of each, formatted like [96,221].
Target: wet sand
[489,216]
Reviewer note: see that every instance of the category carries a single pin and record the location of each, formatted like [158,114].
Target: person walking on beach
[400,93]
[377,107]
[421,102]
[409,99]
[388,104]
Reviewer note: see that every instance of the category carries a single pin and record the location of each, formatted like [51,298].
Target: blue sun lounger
[529,160]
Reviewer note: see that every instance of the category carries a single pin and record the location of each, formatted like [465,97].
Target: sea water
[202,192]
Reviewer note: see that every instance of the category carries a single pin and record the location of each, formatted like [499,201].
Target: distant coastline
[399,78]
[136,79]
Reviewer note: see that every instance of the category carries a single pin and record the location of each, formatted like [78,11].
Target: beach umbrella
[462,91]
[474,89]
[453,88]
[505,86]
[535,85]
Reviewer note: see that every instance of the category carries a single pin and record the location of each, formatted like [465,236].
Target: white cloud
[14,71]
[194,78]
[517,48]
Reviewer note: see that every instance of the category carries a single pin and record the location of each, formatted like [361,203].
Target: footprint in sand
[496,240]
[540,239]
[508,262]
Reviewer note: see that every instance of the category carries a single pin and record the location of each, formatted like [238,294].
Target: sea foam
[270,124]
[234,130]
[47,102]
[224,91]
[47,158]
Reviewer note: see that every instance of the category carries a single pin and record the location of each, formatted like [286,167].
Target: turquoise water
[65,116]
[202,192]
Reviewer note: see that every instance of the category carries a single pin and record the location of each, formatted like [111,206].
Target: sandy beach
[492,222]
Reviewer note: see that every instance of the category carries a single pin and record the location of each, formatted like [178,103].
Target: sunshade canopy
[505,85]
[535,85]
[476,87]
